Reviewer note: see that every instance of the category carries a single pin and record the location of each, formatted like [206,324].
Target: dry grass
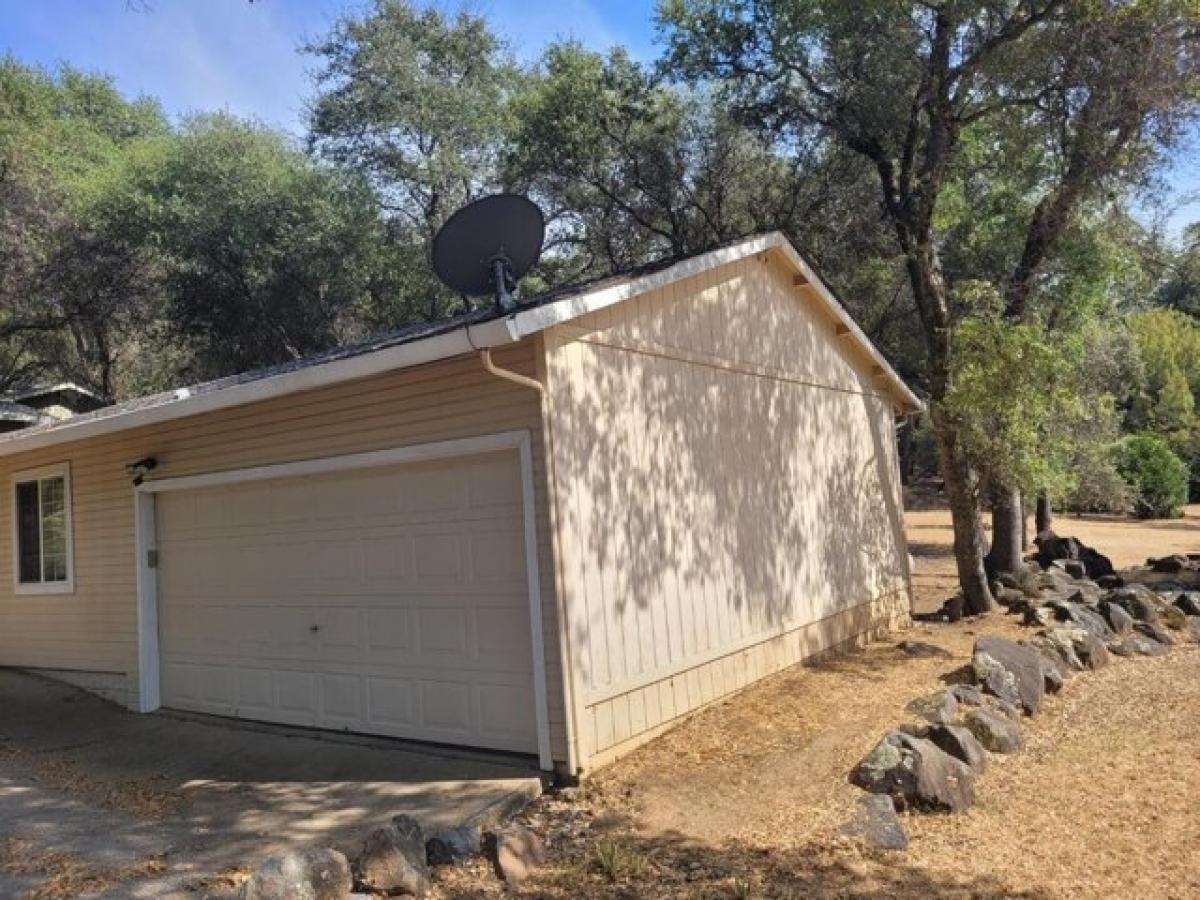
[745,798]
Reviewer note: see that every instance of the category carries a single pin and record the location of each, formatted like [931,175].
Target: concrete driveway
[96,801]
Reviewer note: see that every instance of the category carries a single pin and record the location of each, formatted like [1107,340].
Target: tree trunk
[1007,526]
[1043,519]
[964,511]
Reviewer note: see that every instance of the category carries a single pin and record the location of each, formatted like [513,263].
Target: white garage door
[388,601]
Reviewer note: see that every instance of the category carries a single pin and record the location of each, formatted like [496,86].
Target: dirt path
[744,799]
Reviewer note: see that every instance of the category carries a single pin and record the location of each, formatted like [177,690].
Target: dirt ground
[746,798]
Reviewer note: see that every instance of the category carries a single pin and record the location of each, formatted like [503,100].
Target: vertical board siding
[729,495]
[94,629]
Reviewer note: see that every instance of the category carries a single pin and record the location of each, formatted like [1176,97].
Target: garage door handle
[314,628]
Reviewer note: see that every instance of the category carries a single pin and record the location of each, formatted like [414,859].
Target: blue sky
[242,56]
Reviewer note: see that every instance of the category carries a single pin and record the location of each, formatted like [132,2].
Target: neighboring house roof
[427,342]
[37,391]
[11,411]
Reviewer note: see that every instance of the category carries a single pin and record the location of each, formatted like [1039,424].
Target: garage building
[549,532]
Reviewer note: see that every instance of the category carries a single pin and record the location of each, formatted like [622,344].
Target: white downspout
[485,357]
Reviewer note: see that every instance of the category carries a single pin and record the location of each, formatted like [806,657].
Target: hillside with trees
[965,176]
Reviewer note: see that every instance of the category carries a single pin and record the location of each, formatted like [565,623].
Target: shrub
[1158,478]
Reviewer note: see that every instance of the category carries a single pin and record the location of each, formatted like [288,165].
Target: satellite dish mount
[505,283]
[487,246]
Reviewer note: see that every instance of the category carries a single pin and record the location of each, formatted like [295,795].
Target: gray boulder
[1169,564]
[960,743]
[1119,620]
[923,650]
[392,860]
[320,874]
[941,707]
[1137,600]
[916,774]
[1010,671]
[1060,643]
[516,852]
[1154,632]
[454,846]
[875,822]
[1083,616]
[995,732]
[1136,644]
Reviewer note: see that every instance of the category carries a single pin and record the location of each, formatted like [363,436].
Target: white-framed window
[42,543]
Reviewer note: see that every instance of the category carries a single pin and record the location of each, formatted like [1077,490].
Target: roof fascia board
[468,339]
[540,318]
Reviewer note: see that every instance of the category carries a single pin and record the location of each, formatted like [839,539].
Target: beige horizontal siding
[726,477]
[95,628]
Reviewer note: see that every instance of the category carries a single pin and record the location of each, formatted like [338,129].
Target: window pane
[29,544]
[54,529]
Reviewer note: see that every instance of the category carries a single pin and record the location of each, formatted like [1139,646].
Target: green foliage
[1158,477]
[1016,395]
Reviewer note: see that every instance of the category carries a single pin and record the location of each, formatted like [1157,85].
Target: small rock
[392,860]
[1052,675]
[1091,651]
[1004,708]
[938,708]
[1119,620]
[954,607]
[1108,582]
[960,743]
[1040,616]
[1154,632]
[1073,567]
[1137,600]
[1136,645]
[516,852]
[300,875]
[995,732]
[921,649]
[1169,564]
[875,821]
[1172,617]
[1193,629]
[1010,596]
[916,773]
[1188,603]
[454,846]
[1010,671]
[967,694]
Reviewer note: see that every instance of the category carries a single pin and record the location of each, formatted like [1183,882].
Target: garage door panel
[390,601]
[446,706]
[391,703]
[439,559]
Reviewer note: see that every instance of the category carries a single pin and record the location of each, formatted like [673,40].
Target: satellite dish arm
[504,282]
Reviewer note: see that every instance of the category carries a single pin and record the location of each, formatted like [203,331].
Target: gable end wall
[727,496]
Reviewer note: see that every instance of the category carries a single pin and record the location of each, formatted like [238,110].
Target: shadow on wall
[714,493]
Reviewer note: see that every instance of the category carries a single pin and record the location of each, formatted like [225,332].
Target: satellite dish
[486,247]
